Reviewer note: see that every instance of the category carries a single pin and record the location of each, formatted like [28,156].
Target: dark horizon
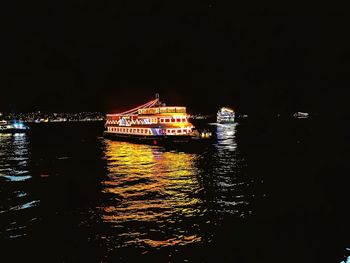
[87,56]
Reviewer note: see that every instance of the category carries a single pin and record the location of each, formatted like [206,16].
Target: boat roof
[226,109]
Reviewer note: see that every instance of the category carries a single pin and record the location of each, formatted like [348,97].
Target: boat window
[161,120]
[138,130]
[179,131]
[167,120]
[178,120]
[172,131]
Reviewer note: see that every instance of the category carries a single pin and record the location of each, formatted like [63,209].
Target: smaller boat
[225,115]
[301,115]
[12,127]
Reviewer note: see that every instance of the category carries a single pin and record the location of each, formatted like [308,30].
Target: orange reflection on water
[149,185]
[179,240]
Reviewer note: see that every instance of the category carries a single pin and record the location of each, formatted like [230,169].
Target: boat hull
[156,140]
[226,122]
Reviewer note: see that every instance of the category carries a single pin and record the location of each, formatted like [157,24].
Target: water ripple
[14,174]
[154,196]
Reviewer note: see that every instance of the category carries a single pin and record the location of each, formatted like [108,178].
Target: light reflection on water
[165,198]
[147,184]
[229,181]
[226,134]
[14,173]
[149,196]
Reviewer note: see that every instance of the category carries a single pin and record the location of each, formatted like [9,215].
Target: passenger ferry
[154,123]
[12,127]
[225,115]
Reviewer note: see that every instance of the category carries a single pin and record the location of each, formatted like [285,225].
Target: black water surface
[262,191]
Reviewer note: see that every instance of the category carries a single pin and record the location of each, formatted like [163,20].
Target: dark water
[267,191]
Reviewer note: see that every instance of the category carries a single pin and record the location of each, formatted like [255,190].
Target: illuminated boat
[153,123]
[301,115]
[225,115]
[12,127]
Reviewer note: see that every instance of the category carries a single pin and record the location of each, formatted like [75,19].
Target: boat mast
[158,103]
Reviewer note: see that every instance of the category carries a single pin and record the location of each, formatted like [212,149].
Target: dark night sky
[108,55]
